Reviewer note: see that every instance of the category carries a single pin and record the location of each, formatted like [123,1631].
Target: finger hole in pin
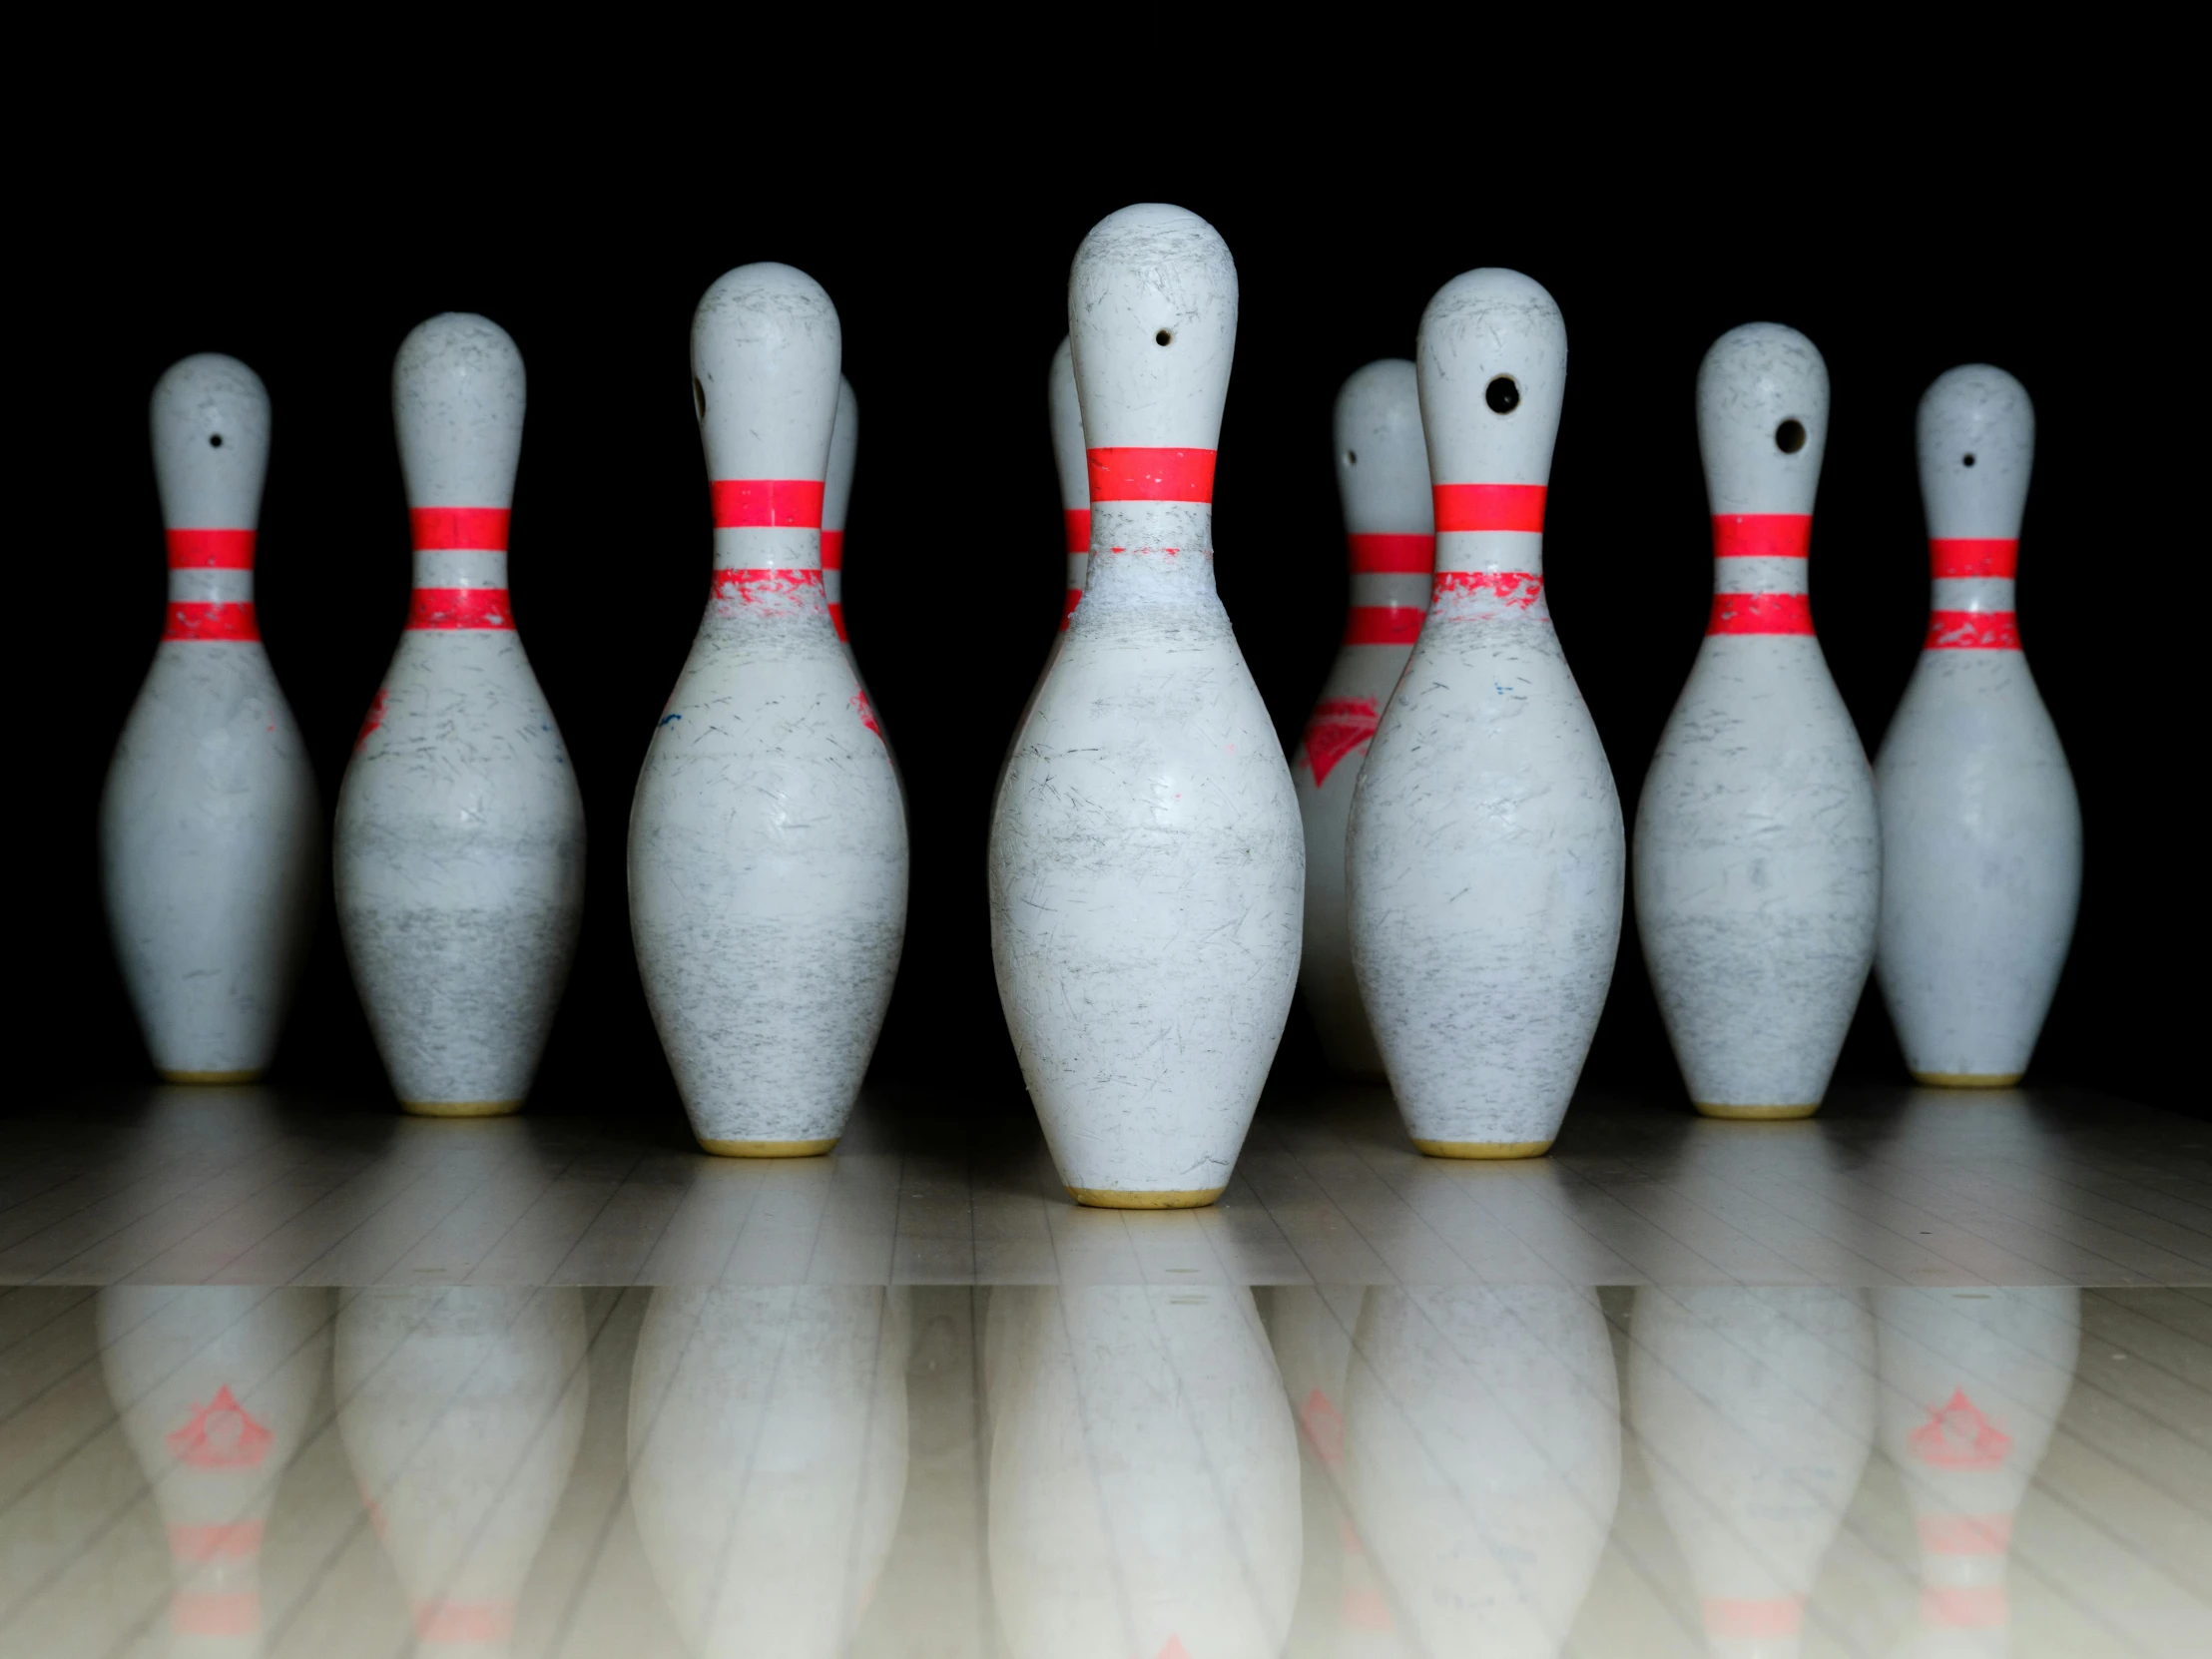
[1352,457]
[1789,437]
[1504,395]
[215,440]
[1967,459]
[1162,338]
[699,395]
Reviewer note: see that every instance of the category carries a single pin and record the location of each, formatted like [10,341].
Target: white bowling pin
[768,1461]
[1146,863]
[461,1409]
[1980,829]
[214,1386]
[1973,1383]
[1144,1480]
[1756,1410]
[1382,481]
[1485,851]
[768,844]
[460,828]
[211,833]
[1482,1459]
[1758,851]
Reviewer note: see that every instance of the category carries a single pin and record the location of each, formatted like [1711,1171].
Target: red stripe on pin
[749,587]
[214,1614]
[1965,1607]
[1462,507]
[1382,625]
[208,619]
[458,529]
[445,608]
[1392,555]
[1762,535]
[1518,588]
[211,549]
[1067,610]
[1973,556]
[1078,528]
[1973,631]
[1134,474]
[1761,613]
[837,617]
[216,1541]
[766,503]
[1964,1535]
[833,550]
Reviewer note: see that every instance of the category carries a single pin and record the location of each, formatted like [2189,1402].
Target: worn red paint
[211,549]
[1465,507]
[219,1435]
[1518,589]
[755,587]
[1762,535]
[867,713]
[1337,726]
[1141,474]
[1958,1437]
[1068,608]
[205,618]
[441,609]
[1973,631]
[1382,625]
[374,718]
[458,529]
[765,503]
[1761,613]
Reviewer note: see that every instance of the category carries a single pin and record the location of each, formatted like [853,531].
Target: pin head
[1762,420]
[1977,433]
[766,345]
[210,418]
[457,396]
[844,454]
[1382,457]
[1493,377]
[1067,430]
[1152,318]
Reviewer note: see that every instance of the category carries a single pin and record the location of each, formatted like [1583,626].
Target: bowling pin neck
[1151,552]
[1759,574]
[211,587]
[1490,553]
[460,570]
[1391,587]
[769,554]
[457,396]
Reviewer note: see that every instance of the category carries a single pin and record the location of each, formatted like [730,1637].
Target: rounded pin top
[456,401]
[1762,420]
[1152,318]
[1067,430]
[1493,377]
[211,443]
[766,345]
[1382,457]
[1977,433]
[844,455]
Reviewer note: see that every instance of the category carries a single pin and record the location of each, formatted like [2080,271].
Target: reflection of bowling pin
[1382,481]
[214,1385]
[768,1461]
[1756,1409]
[210,836]
[1485,853]
[1144,1480]
[768,842]
[1758,853]
[460,828]
[461,1410]
[1973,1382]
[1482,1459]
[1980,829]
[1146,863]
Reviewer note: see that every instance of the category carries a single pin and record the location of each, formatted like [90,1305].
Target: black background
[951,307]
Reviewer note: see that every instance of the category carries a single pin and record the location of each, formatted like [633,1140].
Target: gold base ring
[1968,1079]
[768,1149]
[1105,1198]
[460,1108]
[1483,1149]
[252,1076]
[1758,1114]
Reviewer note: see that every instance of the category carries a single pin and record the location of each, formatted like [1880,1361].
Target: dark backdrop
[950,314]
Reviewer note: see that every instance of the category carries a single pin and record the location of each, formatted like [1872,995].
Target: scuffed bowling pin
[461,827]
[211,833]
[1758,851]
[768,844]
[1980,828]
[1146,863]
[1485,851]
[1382,481]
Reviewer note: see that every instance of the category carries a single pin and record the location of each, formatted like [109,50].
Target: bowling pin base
[1968,1079]
[1102,1198]
[1483,1149]
[1758,1114]
[768,1149]
[210,1076]
[460,1108]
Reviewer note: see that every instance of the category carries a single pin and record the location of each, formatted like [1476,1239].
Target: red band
[207,618]
[442,608]
[764,503]
[1151,475]
[216,1541]
[210,550]
[1966,1534]
[749,587]
[1078,528]
[1762,535]
[1746,1619]
[1382,625]
[214,1612]
[833,550]
[1067,610]
[837,617]
[1517,588]
[1973,631]
[1392,555]
[1966,1607]
[458,529]
[1973,556]
[1761,613]
[1490,507]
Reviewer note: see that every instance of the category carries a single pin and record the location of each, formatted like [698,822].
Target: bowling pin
[461,1409]
[1973,1383]
[460,828]
[1758,852]
[768,1461]
[211,833]
[214,1387]
[1756,1410]
[1146,865]
[1485,851]
[1980,829]
[837,502]
[1144,1480]
[1382,481]
[768,844]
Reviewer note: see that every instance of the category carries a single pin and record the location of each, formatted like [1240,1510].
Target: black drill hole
[699,396]
[1504,395]
[1162,338]
[215,440]
[1968,460]
[1789,437]
[1352,457]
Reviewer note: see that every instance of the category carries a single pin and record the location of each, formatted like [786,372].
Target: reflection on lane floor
[1120,1471]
